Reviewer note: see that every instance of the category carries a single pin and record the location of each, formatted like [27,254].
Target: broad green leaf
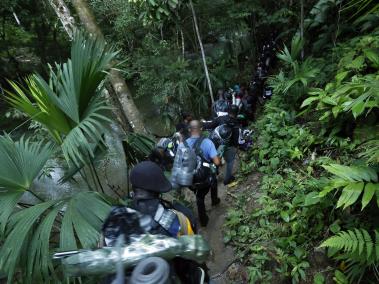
[350,194]
[325,115]
[318,278]
[352,173]
[368,193]
[38,250]
[311,198]
[329,101]
[357,63]
[358,108]
[342,75]
[70,104]
[308,101]
[372,55]
[285,216]
[21,162]
[325,191]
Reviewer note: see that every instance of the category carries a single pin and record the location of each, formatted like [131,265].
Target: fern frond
[357,244]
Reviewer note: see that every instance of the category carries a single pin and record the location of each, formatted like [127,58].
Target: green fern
[357,242]
[357,249]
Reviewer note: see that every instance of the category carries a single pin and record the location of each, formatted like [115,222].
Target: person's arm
[216,160]
[213,154]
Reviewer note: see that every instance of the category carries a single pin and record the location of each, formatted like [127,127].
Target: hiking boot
[226,182]
[216,202]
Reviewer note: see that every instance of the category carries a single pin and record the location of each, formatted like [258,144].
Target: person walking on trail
[230,152]
[220,107]
[150,214]
[206,151]
[182,127]
[149,182]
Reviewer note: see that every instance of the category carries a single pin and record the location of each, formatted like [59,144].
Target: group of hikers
[193,156]
[193,159]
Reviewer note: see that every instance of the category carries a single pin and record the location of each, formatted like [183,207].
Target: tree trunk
[64,16]
[202,51]
[129,111]
[182,37]
[118,83]
[302,26]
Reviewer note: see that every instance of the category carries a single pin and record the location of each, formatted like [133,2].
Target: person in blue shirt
[209,156]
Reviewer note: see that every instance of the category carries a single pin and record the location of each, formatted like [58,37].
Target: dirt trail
[222,255]
[223,264]
[223,259]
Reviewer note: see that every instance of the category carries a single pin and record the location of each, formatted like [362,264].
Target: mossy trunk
[126,110]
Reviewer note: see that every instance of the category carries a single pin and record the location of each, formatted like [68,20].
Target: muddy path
[223,264]
[222,256]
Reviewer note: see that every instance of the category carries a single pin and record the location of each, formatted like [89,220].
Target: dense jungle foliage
[317,150]
[313,218]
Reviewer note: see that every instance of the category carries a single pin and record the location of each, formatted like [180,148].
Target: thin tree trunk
[202,51]
[302,26]
[64,16]
[121,92]
[182,37]
[118,83]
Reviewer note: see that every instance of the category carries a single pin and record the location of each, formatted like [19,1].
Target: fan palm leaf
[21,162]
[40,107]
[137,147]
[70,104]
[30,232]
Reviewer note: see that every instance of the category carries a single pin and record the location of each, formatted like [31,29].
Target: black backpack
[203,170]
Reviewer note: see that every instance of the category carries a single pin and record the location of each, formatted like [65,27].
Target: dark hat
[149,176]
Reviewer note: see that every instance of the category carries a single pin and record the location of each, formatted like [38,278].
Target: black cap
[149,176]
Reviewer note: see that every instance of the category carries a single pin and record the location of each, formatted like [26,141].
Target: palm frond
[80,142]
[70,106]
[20,226]
[30,234]
[137,147]
[42,108]
[21,161]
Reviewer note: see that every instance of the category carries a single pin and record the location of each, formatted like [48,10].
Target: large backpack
[184,166]
[203,171]
[221,135]
[220,108]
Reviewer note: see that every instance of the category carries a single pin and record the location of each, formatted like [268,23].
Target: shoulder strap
[197,144]
[197,147]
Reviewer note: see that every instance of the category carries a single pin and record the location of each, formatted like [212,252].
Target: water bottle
[184,166]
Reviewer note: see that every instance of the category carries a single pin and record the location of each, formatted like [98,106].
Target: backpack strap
[197,148]
[186,144]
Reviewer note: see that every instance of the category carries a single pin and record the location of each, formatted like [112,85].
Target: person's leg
[201,211]
[214,191]
[229,156]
